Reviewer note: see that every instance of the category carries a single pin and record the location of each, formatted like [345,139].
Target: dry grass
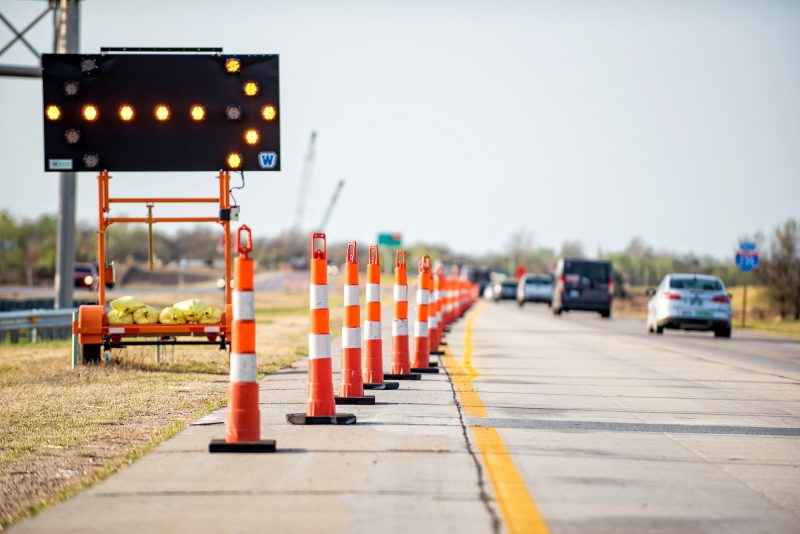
[65,429]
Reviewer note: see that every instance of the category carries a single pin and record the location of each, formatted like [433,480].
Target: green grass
[787,327]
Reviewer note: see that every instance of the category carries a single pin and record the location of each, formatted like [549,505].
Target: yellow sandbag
[126,305]
[171,315]
[192,309]
[212,315]
[146,315]
[114,317]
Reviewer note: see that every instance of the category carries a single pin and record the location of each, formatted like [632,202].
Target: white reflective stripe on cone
[422,296]
[351,337]
[400,293]
[372,330]
[437,295]
[243,367]
[351,295]
[373,292]
[244,306]
[400,327]
[318,296]
[420,329]
[319,346]
[432,322]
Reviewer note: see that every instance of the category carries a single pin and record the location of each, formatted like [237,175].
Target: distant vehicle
[480,276]
[583,285]
[505,290]
[690,302]
[86,275]
[488,292]
[535,288]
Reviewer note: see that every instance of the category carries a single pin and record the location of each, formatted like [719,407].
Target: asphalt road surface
[568,424]
[616,430]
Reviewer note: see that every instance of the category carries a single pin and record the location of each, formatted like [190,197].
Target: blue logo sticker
[267,160]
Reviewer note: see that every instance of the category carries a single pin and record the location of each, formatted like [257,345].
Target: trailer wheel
[89,353]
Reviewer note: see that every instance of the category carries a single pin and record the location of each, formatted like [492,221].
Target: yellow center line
[517,507]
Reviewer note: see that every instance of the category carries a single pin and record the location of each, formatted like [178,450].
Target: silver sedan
[690,302]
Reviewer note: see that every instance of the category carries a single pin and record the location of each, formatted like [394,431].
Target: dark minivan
[583,285]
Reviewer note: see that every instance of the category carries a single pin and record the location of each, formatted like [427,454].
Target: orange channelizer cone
[321,407]
[243,421]
[351,390]
[373,342]
[435,320]
[401,364]
[447,307]
[421,362]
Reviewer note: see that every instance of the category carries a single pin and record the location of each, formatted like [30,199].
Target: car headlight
[88,280]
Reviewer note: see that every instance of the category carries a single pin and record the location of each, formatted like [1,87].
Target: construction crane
[331,205]
[305,180]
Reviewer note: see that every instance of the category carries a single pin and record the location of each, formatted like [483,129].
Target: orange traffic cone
[436,327]
[401,365]
[351,389]
[243,420]
[447,307]
[320,407]
[373,342]
[421,363]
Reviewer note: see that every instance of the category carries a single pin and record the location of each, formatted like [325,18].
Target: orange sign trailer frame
[92,328]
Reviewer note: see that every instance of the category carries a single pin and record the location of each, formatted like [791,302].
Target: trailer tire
[89,354]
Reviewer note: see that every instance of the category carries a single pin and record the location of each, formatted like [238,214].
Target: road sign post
[389,242]
[746,261]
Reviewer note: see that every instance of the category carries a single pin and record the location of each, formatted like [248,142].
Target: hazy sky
[460,122]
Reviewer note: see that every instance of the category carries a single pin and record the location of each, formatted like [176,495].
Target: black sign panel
[161,112]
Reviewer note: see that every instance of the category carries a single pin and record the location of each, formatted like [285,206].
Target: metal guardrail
[36,325]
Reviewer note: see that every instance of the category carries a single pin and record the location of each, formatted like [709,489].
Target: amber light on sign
[126,113]
[162,112]
[251,137]
[234,160]
[52,112]
[269,113]
[90,113]
[250,88]
[197,113]
[232,65]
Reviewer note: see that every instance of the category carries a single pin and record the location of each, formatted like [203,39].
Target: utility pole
[66,41]
[66,31]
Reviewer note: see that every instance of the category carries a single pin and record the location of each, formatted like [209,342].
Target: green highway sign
[390,239]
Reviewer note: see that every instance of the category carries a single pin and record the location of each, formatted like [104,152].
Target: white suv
[690,302]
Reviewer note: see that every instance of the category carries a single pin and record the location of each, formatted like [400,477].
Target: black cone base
[303,419]
[366,399]
[220,445]
[430,370]
[443,343]
[382,385]
[435,353]
[402,376]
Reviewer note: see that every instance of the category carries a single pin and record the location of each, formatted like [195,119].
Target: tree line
[28,248]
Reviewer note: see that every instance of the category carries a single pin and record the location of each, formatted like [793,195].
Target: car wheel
[722,332]
[606,314]
[89,353]
[659,329]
